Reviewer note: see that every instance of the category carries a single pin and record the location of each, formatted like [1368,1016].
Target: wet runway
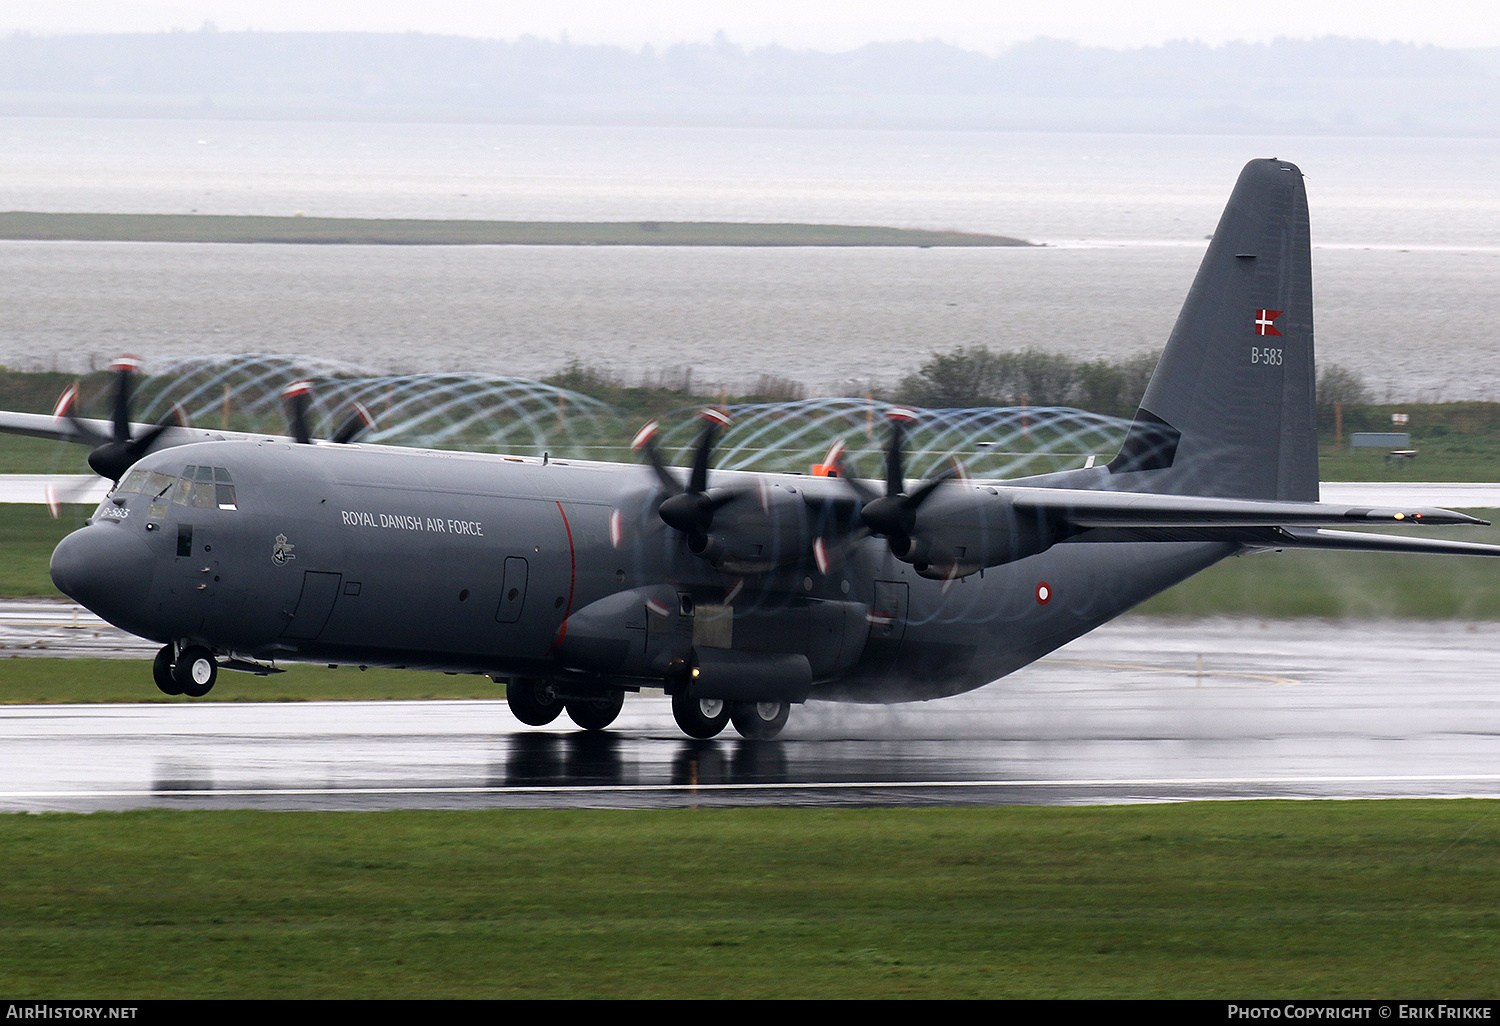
[1142,710]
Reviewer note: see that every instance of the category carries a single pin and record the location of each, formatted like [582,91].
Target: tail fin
[1229,411]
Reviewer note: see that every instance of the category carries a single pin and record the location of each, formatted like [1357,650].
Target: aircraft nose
[107,569]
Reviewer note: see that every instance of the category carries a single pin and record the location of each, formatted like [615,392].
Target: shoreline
[233,228]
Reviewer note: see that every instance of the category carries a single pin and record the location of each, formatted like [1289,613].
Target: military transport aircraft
[740,594]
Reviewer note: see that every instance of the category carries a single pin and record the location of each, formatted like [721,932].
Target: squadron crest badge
[281,551]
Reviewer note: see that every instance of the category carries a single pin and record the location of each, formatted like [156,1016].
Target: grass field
[1344,585]
[38,680]
[1204,900]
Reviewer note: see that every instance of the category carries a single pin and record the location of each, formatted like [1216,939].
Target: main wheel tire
[596,713]
[161,672]
[759,721]
[700,717]
[533,702]
[195,671]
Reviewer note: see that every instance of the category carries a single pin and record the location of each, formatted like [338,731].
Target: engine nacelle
[964,529]
[761,529]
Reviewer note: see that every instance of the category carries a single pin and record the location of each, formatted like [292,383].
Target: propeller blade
[835,459]
[63,410]
[895,480]
[894,514]
[690,509]
[645,441]
[297,396]
[123,367]
[713,420]
[112,456]
[359,421]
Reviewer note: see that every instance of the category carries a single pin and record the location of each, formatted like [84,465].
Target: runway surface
[1141,710]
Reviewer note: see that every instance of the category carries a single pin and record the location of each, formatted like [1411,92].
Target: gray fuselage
[484,564]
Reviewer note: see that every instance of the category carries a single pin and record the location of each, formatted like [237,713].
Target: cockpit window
[199,487]
[206,488]
[224,489]
[133,483]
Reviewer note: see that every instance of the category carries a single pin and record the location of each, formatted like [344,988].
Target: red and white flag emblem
[1265,322]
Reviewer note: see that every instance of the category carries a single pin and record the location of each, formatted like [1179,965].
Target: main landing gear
[191,672]
[707,717]
[537,702]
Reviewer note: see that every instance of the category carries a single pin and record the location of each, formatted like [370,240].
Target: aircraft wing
[1294,538]
[45,425]
[76,429]
[1253,523]
[1087,509]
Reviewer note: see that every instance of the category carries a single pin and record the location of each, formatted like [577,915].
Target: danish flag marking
[1265,322]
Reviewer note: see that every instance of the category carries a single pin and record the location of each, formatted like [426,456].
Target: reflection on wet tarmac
[1138,711]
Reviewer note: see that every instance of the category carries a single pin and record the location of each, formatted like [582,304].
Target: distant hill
[1331,85]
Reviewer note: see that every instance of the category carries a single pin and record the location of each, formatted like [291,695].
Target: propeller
[298,397]
[892,515]
[689,508]
[113,454]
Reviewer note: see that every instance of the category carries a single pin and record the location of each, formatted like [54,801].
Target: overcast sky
[817,24]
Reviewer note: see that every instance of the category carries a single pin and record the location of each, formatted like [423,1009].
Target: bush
[978,376]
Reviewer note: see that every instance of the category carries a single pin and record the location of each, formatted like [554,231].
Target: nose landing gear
[191,672]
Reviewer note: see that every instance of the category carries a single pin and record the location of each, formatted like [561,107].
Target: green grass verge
[1345,585]
[38,680]
[28,534]
[1204,900]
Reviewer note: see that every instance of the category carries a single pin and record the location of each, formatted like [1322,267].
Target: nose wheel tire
[161,672]
[533,702]
[759,721]
[598,712]
[700,717]
[195,671]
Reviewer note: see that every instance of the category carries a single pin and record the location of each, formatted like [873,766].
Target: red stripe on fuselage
[562,631]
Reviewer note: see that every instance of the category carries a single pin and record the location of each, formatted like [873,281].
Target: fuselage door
[512,590]
[315,604]
[887,628]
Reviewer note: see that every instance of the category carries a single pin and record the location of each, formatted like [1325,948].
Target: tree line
[973,376]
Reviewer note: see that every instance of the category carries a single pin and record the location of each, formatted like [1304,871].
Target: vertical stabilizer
[1229,411]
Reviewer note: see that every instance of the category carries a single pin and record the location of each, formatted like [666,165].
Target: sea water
[1406,237]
